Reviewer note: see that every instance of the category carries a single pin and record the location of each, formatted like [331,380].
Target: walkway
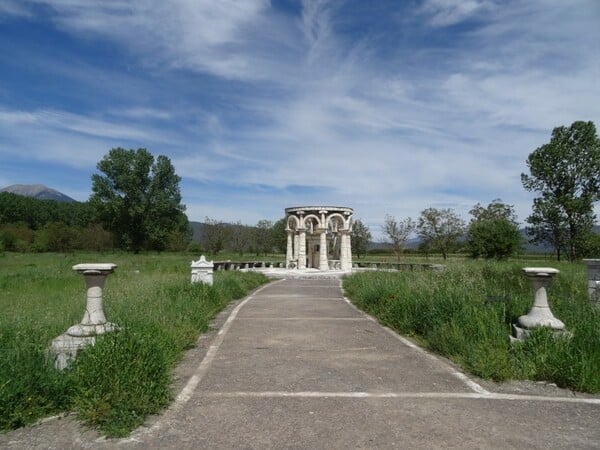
[296,366]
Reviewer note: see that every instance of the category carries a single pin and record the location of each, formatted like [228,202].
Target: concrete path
[296,366]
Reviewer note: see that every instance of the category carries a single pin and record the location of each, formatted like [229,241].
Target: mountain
[38,191]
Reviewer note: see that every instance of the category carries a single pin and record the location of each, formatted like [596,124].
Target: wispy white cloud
[298,100]
[450,12]
[13,8]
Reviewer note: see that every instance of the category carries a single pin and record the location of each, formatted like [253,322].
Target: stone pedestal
[202,271]
[94,322]
[540,314]
[593,267]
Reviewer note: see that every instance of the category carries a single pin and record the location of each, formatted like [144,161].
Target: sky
[387,107]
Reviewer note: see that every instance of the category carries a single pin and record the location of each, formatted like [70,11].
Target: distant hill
[38,191]
[197,231]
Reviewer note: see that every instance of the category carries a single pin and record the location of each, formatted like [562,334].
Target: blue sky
[389,107]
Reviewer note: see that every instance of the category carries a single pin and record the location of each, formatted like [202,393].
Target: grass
[126,376]
[466,312]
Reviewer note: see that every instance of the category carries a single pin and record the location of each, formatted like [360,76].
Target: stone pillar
[540,314]
[302,248]
[593,267]
[323,263]
[94,321]
[345,251]
[296,246]
[289,252]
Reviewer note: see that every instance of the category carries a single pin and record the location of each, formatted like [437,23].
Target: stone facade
[319,237]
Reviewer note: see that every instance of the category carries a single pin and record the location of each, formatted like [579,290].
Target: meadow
[465,314]
[127,375]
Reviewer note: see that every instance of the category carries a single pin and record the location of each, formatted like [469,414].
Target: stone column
[323,263]
[302,248]
[296,246]
[345,251]
[593,266]
[540,314]
[94,322]
[289,252]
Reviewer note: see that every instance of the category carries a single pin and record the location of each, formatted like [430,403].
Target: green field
[126,375]
[463,313]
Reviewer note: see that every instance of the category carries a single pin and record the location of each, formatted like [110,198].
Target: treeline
[31,225]
[135,205]
[265,237]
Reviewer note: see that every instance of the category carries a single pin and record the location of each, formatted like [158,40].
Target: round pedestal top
[540,271]
[95,267]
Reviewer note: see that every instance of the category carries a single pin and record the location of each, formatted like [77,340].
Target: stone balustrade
[333,265]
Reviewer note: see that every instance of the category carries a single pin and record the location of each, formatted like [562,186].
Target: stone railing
[238,265]
[397,266]
[333,265]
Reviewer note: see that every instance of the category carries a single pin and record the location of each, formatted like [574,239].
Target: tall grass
[466,314]
[126,376]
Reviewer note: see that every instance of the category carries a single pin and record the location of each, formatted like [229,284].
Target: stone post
[289,252]
[202,271]
[302,248]
[296,246]
[93,323]
[593,267]
[540,314]
[323,264]
[346,251]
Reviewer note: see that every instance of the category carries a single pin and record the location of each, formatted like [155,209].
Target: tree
[397,233]
[566,173]
[138,199]
[215,235]
[493,231]
[279,235]
[360,238]
[548,224]
[263,237]
[239,237]
[56,237]
[440,229]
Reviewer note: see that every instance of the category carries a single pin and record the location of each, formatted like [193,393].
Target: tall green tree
[360,239]
[138,199]
[566,174]
[493,231]
[440,229]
